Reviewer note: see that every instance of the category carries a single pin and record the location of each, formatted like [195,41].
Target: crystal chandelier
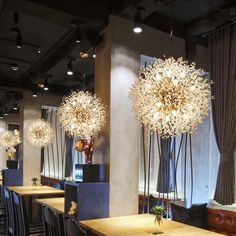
[39,134]
[10,139]
[171,96]
[82,114]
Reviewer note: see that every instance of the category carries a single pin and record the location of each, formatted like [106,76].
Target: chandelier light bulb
[171,96]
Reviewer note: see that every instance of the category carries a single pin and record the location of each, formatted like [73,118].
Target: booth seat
[218,220]
[221,221]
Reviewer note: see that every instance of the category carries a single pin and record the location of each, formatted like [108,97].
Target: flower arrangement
[11,153]
[86,146]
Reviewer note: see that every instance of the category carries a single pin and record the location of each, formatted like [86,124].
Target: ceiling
[52,26]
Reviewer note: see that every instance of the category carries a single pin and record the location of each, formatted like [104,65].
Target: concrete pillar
[31,109]
[116,68]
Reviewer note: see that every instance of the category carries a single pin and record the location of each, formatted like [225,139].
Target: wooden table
[36,190]
[57,204]
[143,224]
[30,193]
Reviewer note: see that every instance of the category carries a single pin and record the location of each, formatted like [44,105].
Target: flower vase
[88,157]
[158,221]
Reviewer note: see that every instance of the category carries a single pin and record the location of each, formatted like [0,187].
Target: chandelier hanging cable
[10,139]
[82,114]
[39,134]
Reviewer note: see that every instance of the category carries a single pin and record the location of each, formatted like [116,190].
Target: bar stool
[23,228]
[72,228]
[53,224]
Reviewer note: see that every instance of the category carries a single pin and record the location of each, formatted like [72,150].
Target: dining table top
[57,204]
[36,190]
[142,225]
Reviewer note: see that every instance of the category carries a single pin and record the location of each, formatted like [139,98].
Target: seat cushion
[195,215]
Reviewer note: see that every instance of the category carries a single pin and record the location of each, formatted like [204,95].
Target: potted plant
[34,181]
[158,211]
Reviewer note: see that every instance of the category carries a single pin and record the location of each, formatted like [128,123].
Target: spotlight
[70,67]
[15,106]
[14,67]
[18,40]
[35,92]
[1,115]
[39,50]
[94,52]
[46,88]
[138,20]
[78,35]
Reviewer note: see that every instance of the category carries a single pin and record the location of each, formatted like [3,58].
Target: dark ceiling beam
[3,6]
[81,9]
[36,10]
[163,23]
[208,24]
[16,59]
[151,6]
[57,52]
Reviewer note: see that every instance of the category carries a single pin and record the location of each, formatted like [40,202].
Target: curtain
[55,152]
[165,182]
[223,58]
[69,161]
[59,158]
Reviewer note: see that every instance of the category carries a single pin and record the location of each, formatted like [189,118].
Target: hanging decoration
[39,134]
[82,114]
[171,96]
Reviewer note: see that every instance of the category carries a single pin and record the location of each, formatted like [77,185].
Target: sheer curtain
[59,157]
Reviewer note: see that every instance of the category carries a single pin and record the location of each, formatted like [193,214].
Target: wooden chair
[10,229]
[72,228]
[53,223]
[23,228]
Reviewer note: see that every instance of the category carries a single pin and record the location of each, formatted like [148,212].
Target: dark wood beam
[215,19]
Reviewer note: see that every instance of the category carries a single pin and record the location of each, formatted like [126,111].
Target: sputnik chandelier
[10,139]
[171,96]
[39,134]
[82,114]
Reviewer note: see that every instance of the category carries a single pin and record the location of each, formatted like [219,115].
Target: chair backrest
[22,226]
[9,212]
[53,225]
[56,185]
[72,228]
[195,215]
